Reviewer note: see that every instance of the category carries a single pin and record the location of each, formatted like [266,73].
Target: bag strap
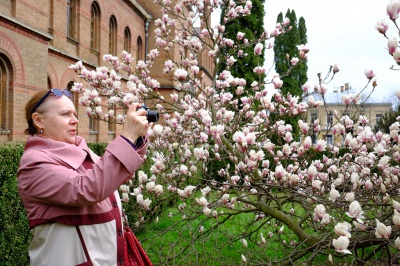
[83,243]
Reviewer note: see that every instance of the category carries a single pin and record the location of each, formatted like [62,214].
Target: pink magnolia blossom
[349,196]
[335,69]
[304,127]
[341,244]
[383,162]
[320,145]
[244,242]
[307,144]
[393,9]
[355,211]
[294,61]
[396,205]
[277,82]
[382,26]
[396,56]
[382,231]
[202,201]
[334,194]
[396,218]
[359,226]
[369,73]
[280,172]
[305,87]
[285,22]
[180,74]
[258,49]
[319,211]
[397,243]
[392,45]
[240,35]
[317,184]
[343,229]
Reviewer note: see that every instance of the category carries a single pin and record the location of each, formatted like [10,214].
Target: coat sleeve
[49,180]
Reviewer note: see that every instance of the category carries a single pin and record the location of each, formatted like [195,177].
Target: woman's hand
[136,123]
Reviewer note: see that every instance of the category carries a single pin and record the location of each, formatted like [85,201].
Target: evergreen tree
[253,26]
[285,49]
[386,121]
[287,45]
[302,67]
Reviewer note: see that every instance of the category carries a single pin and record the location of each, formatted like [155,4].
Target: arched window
[13,8]
[127,40]
[75,96]
[139,50]
[75,99]
[112,36]
[95,27]
[5,76]
[71,18]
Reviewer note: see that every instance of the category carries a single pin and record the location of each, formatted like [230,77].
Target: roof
[335,98]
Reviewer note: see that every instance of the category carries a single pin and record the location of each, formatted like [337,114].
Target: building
[372,110]
[40,39]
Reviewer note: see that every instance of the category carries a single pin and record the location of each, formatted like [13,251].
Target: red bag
[134,254]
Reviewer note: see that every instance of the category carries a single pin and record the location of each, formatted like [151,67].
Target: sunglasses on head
[55,92]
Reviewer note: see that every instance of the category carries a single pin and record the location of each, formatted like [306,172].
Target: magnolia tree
[234,171]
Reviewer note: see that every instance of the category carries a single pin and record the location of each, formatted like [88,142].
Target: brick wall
[34,41]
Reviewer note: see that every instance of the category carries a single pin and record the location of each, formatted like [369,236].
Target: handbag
[134,254]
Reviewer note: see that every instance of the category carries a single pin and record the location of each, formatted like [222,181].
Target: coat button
[115,204]
[121,261]
[120,232]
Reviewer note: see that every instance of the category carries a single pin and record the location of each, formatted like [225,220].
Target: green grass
[170,241]
[176,240]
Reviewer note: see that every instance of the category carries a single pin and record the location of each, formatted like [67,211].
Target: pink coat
[56,188]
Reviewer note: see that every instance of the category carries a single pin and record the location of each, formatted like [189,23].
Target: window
[5,76]
[139,50]
[74,99]
[127,40]
[1,98]
[313,116]
[93,126]
[112,36]
[71,18]
[329,139]
[329,120]
[95,27]
[13,7]
[378,118]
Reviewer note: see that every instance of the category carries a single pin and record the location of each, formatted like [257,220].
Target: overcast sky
[343,32]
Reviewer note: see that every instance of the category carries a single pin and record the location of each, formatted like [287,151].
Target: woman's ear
[37,120]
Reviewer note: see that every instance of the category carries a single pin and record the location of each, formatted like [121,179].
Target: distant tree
[252,26]
[387,120]
[302,66]
[285,49]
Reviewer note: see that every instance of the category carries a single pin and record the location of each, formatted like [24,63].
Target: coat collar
[72,154]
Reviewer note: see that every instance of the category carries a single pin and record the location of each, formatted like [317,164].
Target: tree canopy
[286,48]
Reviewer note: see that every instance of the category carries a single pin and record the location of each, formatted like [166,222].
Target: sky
[343,32]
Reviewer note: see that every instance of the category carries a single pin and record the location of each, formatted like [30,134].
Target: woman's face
[59,121]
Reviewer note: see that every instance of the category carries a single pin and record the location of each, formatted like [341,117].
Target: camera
[151,115]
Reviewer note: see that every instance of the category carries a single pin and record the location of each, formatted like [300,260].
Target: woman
[69,193]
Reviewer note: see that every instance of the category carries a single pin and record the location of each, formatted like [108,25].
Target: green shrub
[14,235]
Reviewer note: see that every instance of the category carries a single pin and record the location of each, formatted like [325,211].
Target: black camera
[151,115]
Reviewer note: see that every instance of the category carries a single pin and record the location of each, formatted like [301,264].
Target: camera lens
[152,116]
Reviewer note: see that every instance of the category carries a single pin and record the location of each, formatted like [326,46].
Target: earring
[41,131]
